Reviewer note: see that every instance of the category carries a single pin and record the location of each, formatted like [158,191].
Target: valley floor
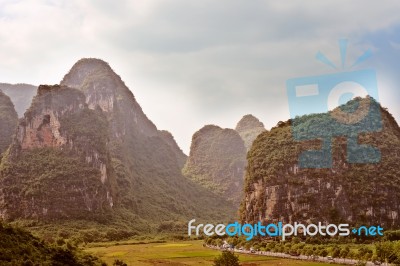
[179,253]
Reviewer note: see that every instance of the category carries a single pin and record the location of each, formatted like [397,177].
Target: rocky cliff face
[217,161]
[146,162]
[21,95]
[218,156]
[103,88]
[85,150]
[8,122]
[249,127]
[357,193]
[57,166]
[41,125]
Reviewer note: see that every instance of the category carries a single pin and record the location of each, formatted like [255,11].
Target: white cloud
[188,62]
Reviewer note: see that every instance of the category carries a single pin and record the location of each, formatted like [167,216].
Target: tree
[227,258]
[308,251]
[119,263]
[345,252]
[336,252]
[323,253]
[384,251]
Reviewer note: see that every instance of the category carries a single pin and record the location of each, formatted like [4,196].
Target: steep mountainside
[58,165]
[8,122]
[147,162]
[21,95]
[217,161]
[180,156]
[85,150]
[357,193]
[249,127]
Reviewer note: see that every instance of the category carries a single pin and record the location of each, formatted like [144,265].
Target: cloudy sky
[192,63]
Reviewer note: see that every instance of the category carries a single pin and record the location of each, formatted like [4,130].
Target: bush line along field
[384,249]
[180,253]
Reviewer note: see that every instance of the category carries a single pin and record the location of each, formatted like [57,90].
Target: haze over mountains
[217,158]
[249,127]
[85,150]
[21,95]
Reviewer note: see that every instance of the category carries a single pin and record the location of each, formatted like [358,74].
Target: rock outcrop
[217,160]
[44,175]
[147,162]
[86,150]
[277,189]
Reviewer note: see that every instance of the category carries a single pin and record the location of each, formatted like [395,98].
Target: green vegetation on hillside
[18,247]
[146,162]
[88,165]
[217,161]
[52,184]
[116,171]
[152,186]
[88,129]
[358,193]
[8,122]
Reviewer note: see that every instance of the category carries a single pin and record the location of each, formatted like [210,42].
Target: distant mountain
[217,160]
[277,189]
[86,150]
[21,95]
[249,127]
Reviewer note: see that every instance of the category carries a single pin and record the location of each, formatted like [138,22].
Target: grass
[180,253]
[171,245]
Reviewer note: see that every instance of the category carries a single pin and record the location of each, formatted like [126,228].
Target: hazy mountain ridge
[217,158]
[249,127]
[21,95]
[86,150]
[147,162]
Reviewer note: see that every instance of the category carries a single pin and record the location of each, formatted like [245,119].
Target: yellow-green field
[180,253]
